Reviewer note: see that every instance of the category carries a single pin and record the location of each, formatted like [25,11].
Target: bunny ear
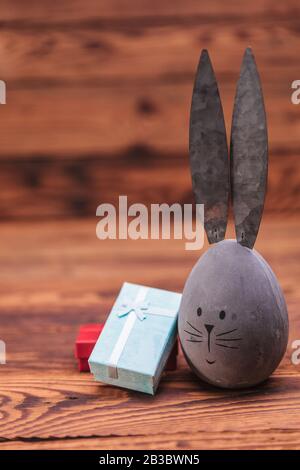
[208,151]
[248,153]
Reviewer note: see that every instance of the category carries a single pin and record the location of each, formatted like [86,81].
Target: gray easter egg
[233,322]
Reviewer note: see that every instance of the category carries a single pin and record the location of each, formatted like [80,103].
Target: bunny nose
[209,328]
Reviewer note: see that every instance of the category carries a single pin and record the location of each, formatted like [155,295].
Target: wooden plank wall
[98,96]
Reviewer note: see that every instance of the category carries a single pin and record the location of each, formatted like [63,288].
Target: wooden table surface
[55,276]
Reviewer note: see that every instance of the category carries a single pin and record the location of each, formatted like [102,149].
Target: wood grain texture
[108,89]
[60,157]
[70,11]
[61,188]
[68,98]
[55,276]
[150,54]
[71,122]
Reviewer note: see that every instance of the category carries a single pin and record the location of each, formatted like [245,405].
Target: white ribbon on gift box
[135,309]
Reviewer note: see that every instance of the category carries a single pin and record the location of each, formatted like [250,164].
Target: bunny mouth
[210,362]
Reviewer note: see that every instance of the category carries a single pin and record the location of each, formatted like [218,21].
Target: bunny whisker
[226,332]
[226,346]
[194,327]
[230,339]
[194,334]
[194,340]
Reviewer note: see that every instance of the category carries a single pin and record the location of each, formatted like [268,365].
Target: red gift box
[87,338]
[85,342]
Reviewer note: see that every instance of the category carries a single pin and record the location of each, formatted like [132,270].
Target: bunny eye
[199,311]
[222,315]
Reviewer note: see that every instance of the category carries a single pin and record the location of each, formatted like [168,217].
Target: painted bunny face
[218,332]
[232,319]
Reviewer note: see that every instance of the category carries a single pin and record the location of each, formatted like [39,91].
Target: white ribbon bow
[138,307]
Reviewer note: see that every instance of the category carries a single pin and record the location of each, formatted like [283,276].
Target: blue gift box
[137,338]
